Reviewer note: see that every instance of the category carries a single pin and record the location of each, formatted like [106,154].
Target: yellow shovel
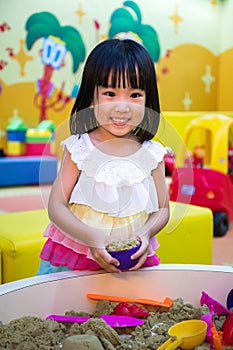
[186,334]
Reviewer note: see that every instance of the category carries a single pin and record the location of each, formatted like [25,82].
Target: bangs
[121,72]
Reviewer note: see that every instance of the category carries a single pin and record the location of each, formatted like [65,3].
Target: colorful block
[16,128]
[16,136]
[38,149]
[38,142]
[37,135]
[46,125]
[15,148]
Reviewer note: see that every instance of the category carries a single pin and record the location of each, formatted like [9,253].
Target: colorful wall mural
[44,45]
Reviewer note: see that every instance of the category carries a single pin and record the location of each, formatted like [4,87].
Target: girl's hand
[142,252]
[105,260]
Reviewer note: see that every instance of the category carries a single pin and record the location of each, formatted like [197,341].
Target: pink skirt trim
[58,254]
[64,239]
[59,236]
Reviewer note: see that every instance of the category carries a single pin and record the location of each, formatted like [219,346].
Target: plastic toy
[16,131]
[114,321]
[216,340]
[230,300]
[130,309]
[30,153]
[209,319]
[16,128]
[186,335]
[213,304]
[15,148]
[227,329]
[206,176]
[39,140]
[124,257]
[166,303]
[24,141]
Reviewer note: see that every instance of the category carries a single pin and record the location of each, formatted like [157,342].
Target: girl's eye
[110,93]
[136,95]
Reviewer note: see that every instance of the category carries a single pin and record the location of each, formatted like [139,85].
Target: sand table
[31,333]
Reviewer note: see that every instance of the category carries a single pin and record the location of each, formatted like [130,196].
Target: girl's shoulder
[156,149]
[75,142]
[78,146]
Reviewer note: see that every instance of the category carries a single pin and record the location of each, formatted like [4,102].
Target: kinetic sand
[29,333]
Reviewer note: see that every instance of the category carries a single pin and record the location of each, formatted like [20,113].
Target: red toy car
[206,176]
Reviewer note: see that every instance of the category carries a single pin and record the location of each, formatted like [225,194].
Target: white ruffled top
[118,186]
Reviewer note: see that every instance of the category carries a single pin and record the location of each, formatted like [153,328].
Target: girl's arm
[60,214]
[58,205]
[160,218]
[157,220]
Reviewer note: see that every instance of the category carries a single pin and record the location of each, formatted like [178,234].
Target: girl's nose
[122,107]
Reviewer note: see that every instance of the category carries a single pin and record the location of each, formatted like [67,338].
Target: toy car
[206,176]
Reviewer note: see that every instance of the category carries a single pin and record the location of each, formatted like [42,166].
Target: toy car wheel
[221,224]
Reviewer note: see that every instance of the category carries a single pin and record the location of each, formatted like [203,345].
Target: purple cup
[123,256]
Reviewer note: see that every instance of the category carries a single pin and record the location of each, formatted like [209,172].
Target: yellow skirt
[116,227]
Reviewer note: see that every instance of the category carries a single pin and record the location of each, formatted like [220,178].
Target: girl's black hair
[127,61]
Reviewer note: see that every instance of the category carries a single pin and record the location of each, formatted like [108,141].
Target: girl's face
[119,110]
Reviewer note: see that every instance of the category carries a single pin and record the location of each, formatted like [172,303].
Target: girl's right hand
[105,260]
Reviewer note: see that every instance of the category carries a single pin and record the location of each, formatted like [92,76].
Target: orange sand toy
[166,303]
[217,338]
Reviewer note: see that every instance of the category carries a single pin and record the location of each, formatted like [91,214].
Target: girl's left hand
[105,260]
[142,252]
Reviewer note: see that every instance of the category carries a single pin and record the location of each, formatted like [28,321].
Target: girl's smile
[119,110]
[119,121]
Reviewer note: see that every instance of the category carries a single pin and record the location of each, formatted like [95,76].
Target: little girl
[111,183]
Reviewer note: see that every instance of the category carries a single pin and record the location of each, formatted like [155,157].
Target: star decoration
[187,101]
[176,19]
[22,58]
[208,79]
[80,13]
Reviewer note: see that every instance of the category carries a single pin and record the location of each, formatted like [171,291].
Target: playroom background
[44,45]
